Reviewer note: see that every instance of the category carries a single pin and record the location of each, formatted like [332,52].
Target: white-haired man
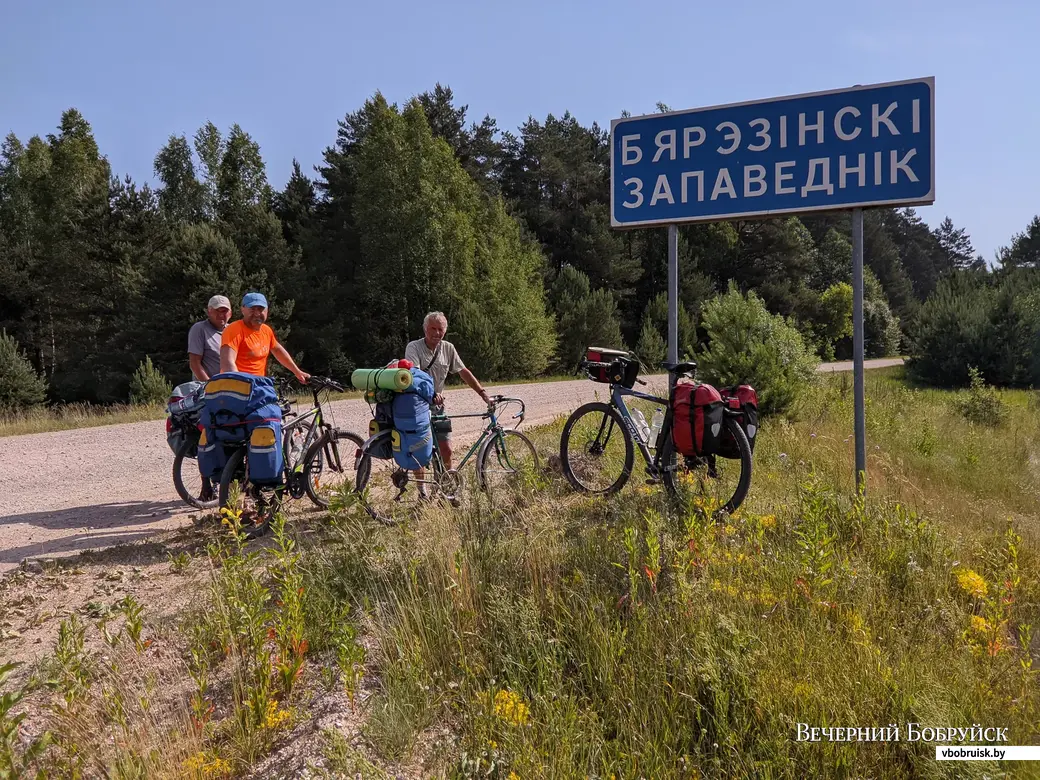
[204,339]
[438,358]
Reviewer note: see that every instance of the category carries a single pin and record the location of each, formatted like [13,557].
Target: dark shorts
[441,424]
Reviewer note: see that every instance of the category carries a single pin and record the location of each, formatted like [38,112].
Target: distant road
[68,491]
[846,365]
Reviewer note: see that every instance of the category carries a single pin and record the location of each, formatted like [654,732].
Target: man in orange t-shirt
[245,345]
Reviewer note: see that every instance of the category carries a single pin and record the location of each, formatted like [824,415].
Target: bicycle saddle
[679,368]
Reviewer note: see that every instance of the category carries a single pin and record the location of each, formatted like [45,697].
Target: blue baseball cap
[254,299]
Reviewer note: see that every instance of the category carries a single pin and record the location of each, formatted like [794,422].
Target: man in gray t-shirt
[204,339]
[438,358]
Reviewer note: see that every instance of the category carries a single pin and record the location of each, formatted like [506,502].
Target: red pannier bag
[697,425]
[743,399]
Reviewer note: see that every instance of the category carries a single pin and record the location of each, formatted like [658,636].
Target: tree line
[412,208]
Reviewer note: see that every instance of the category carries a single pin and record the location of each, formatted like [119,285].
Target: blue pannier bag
[265,457]
[413,436]
[235,405]
[211,454]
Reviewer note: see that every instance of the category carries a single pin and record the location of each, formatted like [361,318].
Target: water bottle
[655,426]
[641,426]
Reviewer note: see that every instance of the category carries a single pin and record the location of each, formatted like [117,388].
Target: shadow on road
[101,515]
[100,525]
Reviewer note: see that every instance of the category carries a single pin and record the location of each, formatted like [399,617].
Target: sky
[287,71]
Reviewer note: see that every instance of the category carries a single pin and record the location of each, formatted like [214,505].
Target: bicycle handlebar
[501,400]
[324,383]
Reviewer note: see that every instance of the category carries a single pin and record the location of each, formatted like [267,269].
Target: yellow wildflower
[728,589]
[511,708]
[202,764]
[768,521]
[972,583]
[275,717]
[195,763]
[513,776]
[979,624]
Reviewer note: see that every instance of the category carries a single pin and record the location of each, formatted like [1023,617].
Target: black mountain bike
[597,447]
[317,457]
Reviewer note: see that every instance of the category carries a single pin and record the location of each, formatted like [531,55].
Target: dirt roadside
[69,491]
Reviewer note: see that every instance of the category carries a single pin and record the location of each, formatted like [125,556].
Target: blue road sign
[869,145]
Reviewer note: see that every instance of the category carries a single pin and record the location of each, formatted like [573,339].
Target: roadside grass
[561,635]
[64,417]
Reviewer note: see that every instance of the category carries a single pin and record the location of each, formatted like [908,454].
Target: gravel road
[68,491]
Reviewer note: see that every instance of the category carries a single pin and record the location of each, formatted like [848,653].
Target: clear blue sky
[287,71]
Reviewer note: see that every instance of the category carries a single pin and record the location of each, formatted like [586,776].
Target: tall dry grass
[557,635]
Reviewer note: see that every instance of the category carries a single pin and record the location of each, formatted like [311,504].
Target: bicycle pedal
[653,481]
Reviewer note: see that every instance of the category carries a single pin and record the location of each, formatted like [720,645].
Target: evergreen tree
[20,386]
[586,317]
[182,197]
[557,174]
[651,347]
[956,247]
[148,385]
[1024,251]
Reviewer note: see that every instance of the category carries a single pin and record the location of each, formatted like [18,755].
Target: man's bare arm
[281,354]
[473,382]
[195,361]
[228,359]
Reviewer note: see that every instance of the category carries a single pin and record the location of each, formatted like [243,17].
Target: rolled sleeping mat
[397,379]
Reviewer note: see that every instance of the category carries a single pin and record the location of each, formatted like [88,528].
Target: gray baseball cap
[219,302]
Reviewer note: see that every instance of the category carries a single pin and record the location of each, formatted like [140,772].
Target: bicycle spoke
[596,450]
[711,485]
[392,494]
[509,462]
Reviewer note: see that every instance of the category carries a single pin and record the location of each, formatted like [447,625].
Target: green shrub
[20,386]
[148,385]
[881,334]
[748,344]
[981,404]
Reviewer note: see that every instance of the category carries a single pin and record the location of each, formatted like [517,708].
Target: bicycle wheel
[595,438]
[190,485]
[506,461]
[328,465]
[716,485]
[257,504]
[390,493]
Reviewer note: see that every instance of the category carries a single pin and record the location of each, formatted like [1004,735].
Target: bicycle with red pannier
[701,449]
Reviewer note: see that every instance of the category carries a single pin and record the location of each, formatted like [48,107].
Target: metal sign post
[859,398]
[871,145]
[673,297]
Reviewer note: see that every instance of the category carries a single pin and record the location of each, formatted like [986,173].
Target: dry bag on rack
[744,399]
[413,434]
[697,426]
